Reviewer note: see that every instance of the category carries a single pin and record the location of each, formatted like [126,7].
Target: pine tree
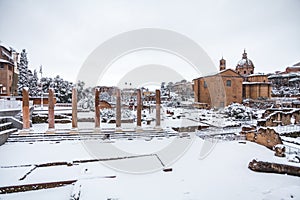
[23,72]
[62,88]
[33,83]
[80,90]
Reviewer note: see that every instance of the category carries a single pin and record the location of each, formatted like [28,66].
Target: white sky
[61,34]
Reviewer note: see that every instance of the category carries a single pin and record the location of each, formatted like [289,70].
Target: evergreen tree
[62,88]
[80,90]
[23,72]
[33,83]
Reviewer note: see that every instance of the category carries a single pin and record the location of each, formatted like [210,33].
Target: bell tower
[222,64]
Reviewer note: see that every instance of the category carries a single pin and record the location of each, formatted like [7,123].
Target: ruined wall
[266,137]
[275,117]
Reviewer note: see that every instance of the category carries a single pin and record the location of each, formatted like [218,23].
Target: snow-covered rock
[239,111]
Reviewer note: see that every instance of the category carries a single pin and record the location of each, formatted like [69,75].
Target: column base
[51,131]
[118,130]
[74,131]
[25,131]
[158,129]
[139,129]
[97,130]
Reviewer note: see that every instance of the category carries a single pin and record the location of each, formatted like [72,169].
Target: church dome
[245,62]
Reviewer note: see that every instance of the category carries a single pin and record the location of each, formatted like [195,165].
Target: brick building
[220,89]
[8,71]
[231,86]
[257,86]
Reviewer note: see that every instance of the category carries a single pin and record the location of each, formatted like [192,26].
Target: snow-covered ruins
[151,100]
[61,140]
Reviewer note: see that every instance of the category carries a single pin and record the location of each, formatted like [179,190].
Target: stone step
[5,134]
[11,130]
[5,126]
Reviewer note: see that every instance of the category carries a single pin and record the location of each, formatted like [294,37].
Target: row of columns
[51,121]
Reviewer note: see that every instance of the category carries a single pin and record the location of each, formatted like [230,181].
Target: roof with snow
[293,67]
[297,64]
[5,61]
[220,72]
[245,62]
[257,74]
[5,46]
[289,75]
[294,80]
[257,83]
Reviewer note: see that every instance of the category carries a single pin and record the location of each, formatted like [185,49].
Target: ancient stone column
[97,110]
[157,98]
[74,110]
[25,110]
[118,111]
[139,111]
[51,128]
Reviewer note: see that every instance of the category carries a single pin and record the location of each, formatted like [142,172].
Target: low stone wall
[248,129]
[275,117]
[37,119]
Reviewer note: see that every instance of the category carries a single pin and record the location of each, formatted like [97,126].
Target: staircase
[6,128]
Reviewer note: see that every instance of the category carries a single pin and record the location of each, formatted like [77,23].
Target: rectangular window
[205,84]
[222,104]
[228,83]
[1,66]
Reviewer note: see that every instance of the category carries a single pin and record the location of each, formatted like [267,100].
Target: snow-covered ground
[221,174]
[201,169]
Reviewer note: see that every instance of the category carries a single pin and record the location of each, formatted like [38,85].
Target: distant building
[8,71]
[183,88]
[294,68]
[286,83]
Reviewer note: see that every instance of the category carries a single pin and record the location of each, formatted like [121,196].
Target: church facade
[231,86]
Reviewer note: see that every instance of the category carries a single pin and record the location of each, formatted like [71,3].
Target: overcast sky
[60,35]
